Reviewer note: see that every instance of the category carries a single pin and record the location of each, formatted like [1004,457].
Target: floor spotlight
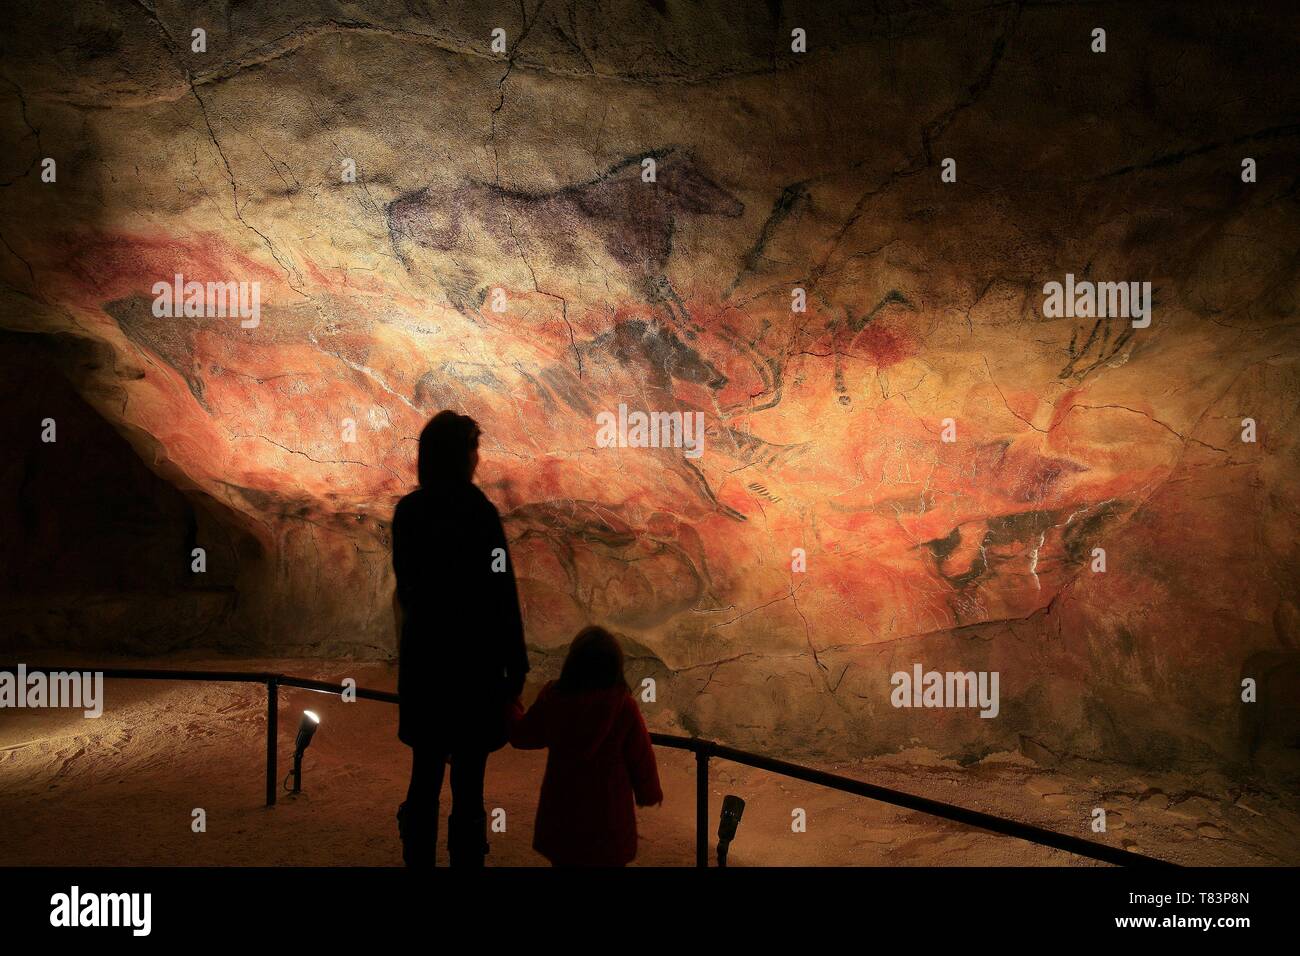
[306,730]
[732,808]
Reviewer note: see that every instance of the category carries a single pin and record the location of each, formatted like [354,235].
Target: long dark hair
[446,444]
[594,662]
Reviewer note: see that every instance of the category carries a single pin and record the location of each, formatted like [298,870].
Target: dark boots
[467,841]
[419,833]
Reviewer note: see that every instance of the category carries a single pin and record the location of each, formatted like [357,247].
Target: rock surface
[516,178]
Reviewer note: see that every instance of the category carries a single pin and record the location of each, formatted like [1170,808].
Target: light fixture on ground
[306,730]
[732,808]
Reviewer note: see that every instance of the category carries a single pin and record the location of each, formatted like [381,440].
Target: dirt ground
[121,790]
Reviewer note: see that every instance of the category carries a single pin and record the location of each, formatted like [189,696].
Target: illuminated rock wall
[499,251]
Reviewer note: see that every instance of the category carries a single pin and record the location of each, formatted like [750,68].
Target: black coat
[462,658]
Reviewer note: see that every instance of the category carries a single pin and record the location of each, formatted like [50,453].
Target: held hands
[514,711]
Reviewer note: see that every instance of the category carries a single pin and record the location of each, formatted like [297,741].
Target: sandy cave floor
[120,791]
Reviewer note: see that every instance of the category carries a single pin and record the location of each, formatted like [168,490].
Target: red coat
[600,762]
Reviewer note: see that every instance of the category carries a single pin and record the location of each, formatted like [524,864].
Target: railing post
[702,805]
[272,735]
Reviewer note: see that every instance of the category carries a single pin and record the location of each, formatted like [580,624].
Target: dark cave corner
[1269,731]
[99,555]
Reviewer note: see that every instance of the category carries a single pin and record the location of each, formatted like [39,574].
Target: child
[600,759]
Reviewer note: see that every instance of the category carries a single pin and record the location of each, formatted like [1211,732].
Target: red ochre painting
[905,458]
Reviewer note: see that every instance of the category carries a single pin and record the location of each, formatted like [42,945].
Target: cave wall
[515,179]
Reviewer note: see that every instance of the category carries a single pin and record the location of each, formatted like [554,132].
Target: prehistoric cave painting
[659,291]
[770,369]
[1018,473]
[1101,345]
[348,340]
[689,470]
[262,516]
[633,221]
[649,352]
[957,565]
[1039,482]
[448,384]
[862,337]
[867,337]
[179,342]
[270,503]
[645,352]
[1018,549]
[657,350]
[170,340]
[1083,530]
[753,450]
[561,381]
[638,576]
[793,198]
[855,324]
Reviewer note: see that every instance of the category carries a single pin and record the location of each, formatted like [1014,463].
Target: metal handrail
[704,750]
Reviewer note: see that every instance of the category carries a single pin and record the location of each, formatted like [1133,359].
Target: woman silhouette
[461,655]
